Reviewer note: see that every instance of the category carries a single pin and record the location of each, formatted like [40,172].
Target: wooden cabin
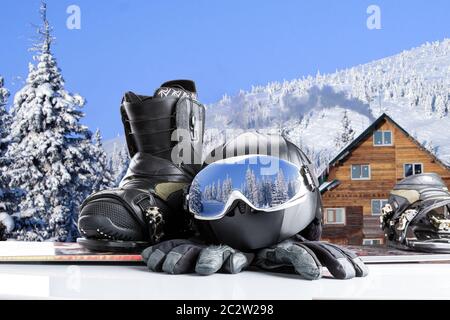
[358,180]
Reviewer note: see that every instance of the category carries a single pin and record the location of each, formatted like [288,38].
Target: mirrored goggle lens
[263,182]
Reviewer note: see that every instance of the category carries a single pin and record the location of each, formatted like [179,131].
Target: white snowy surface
[390,281]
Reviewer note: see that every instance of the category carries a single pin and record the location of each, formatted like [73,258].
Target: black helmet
[245,228]
[417,214]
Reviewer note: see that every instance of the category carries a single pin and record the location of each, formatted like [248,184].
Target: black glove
[307,257]
[186,256]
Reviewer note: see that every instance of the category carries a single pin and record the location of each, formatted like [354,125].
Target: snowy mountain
[411,87]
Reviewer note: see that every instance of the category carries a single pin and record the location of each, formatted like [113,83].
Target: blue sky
[225,45]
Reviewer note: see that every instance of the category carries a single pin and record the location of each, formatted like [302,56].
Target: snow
[211,208]
[118,282]
[51,163]
[262,190]
[118,157]
[7,221]
[7,194]
[111,145]
[411,87]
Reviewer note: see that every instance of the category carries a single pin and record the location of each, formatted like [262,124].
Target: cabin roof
[356,142]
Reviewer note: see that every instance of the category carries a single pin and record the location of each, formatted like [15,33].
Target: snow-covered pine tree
[120,161]
[4,115]
[219,191]
[103,177]
[7,196]
[207,193]
[346,134]
[4,127]
[264,188]
[213,192]
[227,188]
[251,186]
[256,193]
[279,190]
[441,105]
[50,151]
[195,201]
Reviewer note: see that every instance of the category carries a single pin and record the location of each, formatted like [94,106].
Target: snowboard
[55,252]
[74,253]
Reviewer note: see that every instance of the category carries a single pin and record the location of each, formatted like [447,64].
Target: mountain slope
[411,87]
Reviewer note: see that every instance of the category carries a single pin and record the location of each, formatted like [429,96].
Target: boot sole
[113,245]
[101,234]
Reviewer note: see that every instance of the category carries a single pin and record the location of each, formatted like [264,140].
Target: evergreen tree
[195,200]
[7,195]
[251,187]
[227,188]
[265,198]
[50,151]
[219,191]
[4,115]
[441,104]
[4,127]
[279,190]
[207,193]
[346,134]
[120,160]
[103,178]
[213,192]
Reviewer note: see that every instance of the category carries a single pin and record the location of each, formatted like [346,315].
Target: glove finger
[265,259]
[360,268]
[335,261]
[306,263]
[154,256]
[303,260]
[237,262]
[164,246]
[182,259]
[212,258]
[146,253]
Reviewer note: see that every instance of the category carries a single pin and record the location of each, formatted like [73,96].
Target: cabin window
[411,169]
[372,242]
[335,216]
[377,205]
[382,138]
[360,172]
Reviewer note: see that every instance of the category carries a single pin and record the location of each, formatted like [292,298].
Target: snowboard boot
[164,135]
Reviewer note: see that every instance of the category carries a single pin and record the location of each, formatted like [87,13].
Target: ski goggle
[265,183]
